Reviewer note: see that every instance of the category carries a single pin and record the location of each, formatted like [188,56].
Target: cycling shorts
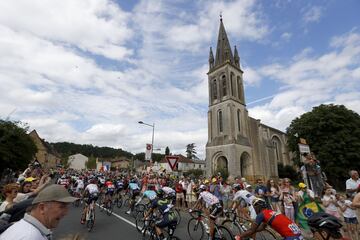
[110,191]
[92,197]
[168,220]
[216,209]
[119,189]
[135,193]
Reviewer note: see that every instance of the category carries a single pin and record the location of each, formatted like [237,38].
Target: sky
[87,71]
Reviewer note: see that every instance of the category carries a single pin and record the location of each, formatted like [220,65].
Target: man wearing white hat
[48,208]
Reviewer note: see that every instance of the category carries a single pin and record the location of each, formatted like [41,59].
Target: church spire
[236,57]
[211,59]
[223,49]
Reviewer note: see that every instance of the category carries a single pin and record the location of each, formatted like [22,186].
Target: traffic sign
[172,160]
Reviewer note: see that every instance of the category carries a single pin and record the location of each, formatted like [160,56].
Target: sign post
[172,160]
[148,152]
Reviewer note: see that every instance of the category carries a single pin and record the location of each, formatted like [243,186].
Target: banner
[148,152]
[306,209]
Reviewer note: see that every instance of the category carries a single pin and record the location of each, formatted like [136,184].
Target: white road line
[120,217]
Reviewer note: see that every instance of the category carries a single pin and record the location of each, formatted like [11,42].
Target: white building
[184,164]
[77,161]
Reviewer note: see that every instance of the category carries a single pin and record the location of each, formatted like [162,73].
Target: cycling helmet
[327,222]
[202,188]
[258,202]
[160,193]
[236,186]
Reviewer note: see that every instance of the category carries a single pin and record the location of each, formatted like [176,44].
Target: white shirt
[23,230]
[309,192]
[348,213]
[351,184]
[79,184]
[208,198]
[3,206]
[168,190]
[244,194]
[331,206]
[92,188]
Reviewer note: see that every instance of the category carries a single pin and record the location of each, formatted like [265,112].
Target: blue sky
[87,71]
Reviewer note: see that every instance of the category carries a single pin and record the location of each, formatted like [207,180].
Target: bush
[288,172]
[193,173]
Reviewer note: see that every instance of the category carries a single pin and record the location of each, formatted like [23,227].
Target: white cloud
[99,26]
[313,14]
[286,36]
[312,80]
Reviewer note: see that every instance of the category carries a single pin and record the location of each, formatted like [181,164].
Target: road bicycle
[118,199]
[198,229]
[90,216]
[149,231]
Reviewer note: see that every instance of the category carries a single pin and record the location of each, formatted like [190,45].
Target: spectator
[349,215]
[48,208]
[274,193]
[10,191]
[313,172]
[25,189]
[330,203]
[225,190]
[288,201]
[179,194]
[352,184]
[215,189]
[261,190]
[184,182]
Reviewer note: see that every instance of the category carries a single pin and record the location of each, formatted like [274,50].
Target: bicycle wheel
[222,233]
[148,234]
[126,204]
[90,220]
[233,227]
[119,201]
[195,229]
[140,222]
[178,216]
[267,234]
[109,207]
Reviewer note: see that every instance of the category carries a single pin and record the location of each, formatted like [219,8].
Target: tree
[167,151]
[17,149]
[91,163]
[190,150]
[333,133]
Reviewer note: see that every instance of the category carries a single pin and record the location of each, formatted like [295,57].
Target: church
[237,143]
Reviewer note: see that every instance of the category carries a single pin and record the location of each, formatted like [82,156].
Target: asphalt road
[117,226]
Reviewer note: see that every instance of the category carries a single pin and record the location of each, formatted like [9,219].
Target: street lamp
[152,139]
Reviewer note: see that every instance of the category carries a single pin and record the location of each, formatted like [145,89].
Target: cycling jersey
[119,184]
[109,185]
[134,186]
[150,194]
[245,195]
[92,188]
[169,218]
[279,222]
[79,184]
[168,190]
[208,198]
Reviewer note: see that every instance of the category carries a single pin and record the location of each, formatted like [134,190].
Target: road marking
[120,217]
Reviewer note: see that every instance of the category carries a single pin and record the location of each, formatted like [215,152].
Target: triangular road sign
[172,160]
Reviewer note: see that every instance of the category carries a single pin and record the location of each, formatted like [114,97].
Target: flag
[306,209]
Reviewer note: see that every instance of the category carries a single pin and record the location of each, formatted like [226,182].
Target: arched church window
[239,119]
[232,85]
[220,122]
[224,85]
[239,87]
[277,149]
[214,89]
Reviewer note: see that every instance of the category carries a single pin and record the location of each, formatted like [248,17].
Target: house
[46,154]
[122,163]
[77,161]
[184,164]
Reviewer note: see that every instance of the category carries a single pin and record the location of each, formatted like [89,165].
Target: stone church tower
[236,142]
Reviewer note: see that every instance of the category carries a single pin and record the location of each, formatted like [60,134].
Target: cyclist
[243,199]
[212,203]
[79,185]
[168,216]
[134,191]
[170,194]
[149,194]
[92,191]
[109,191]
[119,183]
[278,221]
